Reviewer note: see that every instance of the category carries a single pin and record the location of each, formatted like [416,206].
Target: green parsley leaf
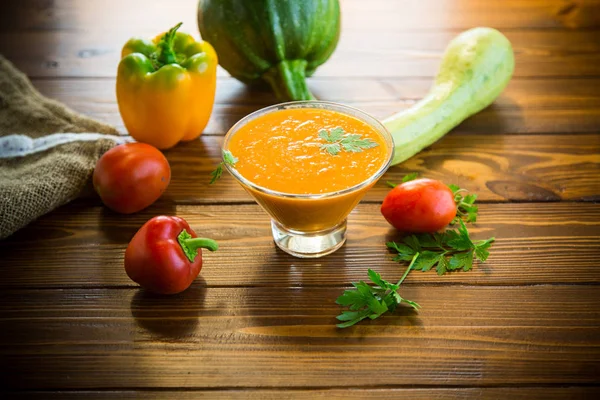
[376,279]
[377,307]
[461,260]
[481,249]
[354,144]
[427,259]
[348,315]
[470,199]
[334,135]
[449,251]
[367,301]
[331,148]
[228,159]
[412,241]
[405,253]
[460,240]
[427,240]
[216,174]
[454,188]
[338,139]
[442,265]
[407,178]
[410,177]
[352,317]
[464,205]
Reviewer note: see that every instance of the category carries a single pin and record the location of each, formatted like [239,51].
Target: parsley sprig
[464,204]
[407,178]
[366,301]
[337,140]
[228,159]
[449,251]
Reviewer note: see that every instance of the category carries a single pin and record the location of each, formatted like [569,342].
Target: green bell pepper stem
[288,80]
[166,54]
[190,245]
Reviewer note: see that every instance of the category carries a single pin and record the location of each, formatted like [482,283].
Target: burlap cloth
[40,171]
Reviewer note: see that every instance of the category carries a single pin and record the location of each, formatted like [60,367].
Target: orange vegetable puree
[281,151]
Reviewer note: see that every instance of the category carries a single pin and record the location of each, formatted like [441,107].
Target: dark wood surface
[258,323]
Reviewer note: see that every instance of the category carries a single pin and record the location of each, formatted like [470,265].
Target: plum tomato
[131,176]
[420,206]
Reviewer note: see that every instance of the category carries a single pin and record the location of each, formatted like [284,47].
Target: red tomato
[131,176]
[422,205]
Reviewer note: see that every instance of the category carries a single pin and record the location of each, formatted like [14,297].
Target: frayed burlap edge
[35,184]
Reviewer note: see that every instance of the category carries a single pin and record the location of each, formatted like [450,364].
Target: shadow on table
[169,317]
[120,228]
[313,305]
[504,116]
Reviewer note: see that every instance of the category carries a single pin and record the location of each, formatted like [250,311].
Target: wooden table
[259,323]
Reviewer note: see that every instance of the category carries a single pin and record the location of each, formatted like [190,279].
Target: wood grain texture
[259,323]
[520,393]
[359,54]
[276,337]
[406,15]
[526,106]
[496,167]
[84,246]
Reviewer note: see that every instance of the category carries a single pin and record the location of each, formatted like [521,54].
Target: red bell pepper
[165,255]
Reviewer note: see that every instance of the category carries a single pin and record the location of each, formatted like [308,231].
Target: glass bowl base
[309,244]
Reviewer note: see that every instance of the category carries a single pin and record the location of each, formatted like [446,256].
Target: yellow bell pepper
[166,88]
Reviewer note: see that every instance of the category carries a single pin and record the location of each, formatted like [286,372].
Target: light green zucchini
[476,66]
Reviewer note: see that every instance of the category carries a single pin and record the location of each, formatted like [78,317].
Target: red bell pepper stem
[190,245]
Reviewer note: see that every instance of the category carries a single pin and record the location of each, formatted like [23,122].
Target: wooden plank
[517,393]
[408,15]
[537,54]
[543,53]
[527,106]
[276,337]
[84,246]
[259,322]
[496,167]
[464,14]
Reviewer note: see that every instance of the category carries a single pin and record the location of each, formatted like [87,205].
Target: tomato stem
[190,245]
